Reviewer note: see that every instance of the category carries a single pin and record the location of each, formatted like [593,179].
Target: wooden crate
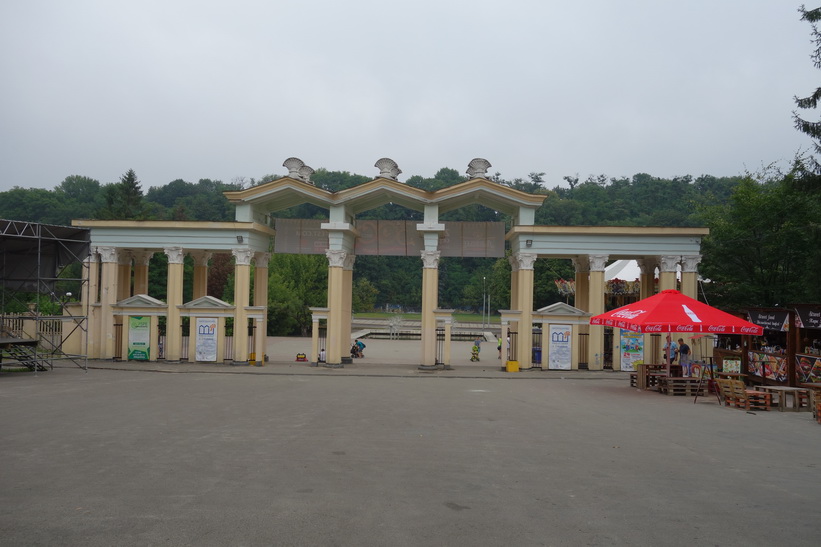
[681,386]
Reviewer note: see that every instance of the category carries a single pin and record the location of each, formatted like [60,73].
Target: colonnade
[117,273]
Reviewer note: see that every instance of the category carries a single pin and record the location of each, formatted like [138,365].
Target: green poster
[139,337]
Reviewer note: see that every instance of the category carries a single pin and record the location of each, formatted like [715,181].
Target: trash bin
[537,356]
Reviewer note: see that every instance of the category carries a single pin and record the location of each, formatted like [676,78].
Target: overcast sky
[197,89]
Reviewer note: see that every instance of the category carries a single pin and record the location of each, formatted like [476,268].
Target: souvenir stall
[768,356]
[807,343]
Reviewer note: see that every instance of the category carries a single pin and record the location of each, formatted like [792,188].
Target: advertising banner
[139,337]
[632,349]
[559,356]
[206,343]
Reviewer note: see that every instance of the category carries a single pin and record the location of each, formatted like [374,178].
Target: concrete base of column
[333,365]
[240,363]
[440,366]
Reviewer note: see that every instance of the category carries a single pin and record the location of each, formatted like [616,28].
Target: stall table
[800,397]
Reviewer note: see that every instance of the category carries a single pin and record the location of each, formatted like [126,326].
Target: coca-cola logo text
[629,314]
[715,328]
[653,328]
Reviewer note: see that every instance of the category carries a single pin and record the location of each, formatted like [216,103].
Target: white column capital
[514,263]
[175,255]
[242,257]
[669,263]
[347,264]
[525,260]
[108,254]
[201,258]
[581,264]
[647,266]
[689,264]
[125,257]
[336,258]
[430,259]
[261,259]
[597,262]
[142,258]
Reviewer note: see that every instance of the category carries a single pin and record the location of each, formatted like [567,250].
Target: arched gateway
[122,249]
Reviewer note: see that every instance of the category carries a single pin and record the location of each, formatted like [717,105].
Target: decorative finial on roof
[388,168]
[298,170]
[293,165]
[305,173]
[477,168]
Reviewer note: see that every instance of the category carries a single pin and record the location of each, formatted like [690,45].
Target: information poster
[139,337]
[206,343]
[559,357]
[632,349]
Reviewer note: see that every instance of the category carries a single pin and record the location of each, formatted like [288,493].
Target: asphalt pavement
[381,453]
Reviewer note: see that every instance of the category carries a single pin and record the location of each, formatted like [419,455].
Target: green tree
[124,200]
[763,244]
[811,128]
[363,295]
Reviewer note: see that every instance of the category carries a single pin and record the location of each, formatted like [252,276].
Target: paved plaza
[381,453]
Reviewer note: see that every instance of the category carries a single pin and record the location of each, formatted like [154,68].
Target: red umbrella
[671,311]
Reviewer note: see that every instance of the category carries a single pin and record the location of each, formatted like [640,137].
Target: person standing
[670,351]
[684,358]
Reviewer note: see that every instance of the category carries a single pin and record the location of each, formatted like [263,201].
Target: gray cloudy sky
[205,89]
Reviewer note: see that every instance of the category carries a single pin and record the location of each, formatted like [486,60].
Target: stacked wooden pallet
[681,386]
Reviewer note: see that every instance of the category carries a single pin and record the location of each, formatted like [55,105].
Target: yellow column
[514,282]
[667,272]
[446,353]
[200,287]
[90,341]
[108,297]
[242,296]
[582,267]
[123,276]
[595,353]
[314,358]
[430,299]
[154,338]
[689,275]
[347,294]
[647,278]
[524,349]
[141,262]
[174,284]
[513,325]
[261,299]
[337,338]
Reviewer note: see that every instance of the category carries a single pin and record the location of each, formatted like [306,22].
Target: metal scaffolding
[42,277]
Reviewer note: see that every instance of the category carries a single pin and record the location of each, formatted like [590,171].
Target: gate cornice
[287,192]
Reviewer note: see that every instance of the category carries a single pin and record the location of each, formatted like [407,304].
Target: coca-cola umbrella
[670,311]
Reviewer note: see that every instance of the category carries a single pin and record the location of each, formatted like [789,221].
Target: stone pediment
[560,308]
[207,303]
[140,301]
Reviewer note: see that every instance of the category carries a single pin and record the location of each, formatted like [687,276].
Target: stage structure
[42,285]
[121,250]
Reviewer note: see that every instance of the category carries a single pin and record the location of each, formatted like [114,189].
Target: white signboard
[559,357]
[206,339]
[631,347]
